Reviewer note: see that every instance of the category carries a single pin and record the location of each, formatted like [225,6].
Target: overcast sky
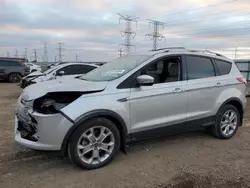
[91,29]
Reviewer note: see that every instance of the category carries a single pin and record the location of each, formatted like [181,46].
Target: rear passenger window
[199,67]
[223,66]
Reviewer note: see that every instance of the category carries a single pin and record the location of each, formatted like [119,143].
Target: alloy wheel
[95,145]
[228,122]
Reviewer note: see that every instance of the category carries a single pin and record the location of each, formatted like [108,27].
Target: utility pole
[16,53]
[235,54]
[60,51]
[45,52]
[55,59]
[128,33]
[25,53]
[120,51]
[8,54]
[76,58]
[155,36]
[35,54]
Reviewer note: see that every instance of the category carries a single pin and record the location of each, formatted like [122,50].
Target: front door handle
[178,90]
[218,84]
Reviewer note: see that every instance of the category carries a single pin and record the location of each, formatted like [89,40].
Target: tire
[221,127]
[14,77]
[80,142]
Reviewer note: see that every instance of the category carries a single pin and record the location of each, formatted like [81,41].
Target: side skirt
[194,125]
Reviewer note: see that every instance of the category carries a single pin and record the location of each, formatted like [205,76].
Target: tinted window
[87,68]
[76,69]
[68,70]
[223,66]
[9,63]
[199,67]
[82,69]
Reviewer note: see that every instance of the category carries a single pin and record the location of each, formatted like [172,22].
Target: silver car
[134,97]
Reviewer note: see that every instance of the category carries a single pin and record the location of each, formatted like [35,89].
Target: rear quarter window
[224,67]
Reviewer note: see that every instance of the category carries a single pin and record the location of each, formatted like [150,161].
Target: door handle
[218,84]
[177,90]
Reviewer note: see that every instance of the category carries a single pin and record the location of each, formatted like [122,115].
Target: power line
[208,6]
[128,33]
[45,52]
[155,36]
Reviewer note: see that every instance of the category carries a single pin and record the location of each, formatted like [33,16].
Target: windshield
[48,71]
[115,68]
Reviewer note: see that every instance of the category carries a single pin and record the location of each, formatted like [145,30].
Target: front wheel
[94,144]
[227,122]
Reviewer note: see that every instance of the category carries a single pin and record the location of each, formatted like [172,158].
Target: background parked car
[12,70]
[33,67]
[63,71]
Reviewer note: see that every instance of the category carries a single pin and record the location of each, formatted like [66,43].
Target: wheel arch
[108,114]
[237,103]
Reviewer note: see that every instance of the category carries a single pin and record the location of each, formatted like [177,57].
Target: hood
[40,89]
[36,73]
[33,74]
[43,78]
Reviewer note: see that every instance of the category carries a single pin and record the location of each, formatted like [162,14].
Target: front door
[161,108]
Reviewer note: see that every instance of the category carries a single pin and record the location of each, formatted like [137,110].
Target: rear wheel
[94,144]
[14,77]
[227,122]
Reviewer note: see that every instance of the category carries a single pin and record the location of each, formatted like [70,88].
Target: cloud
[88,27]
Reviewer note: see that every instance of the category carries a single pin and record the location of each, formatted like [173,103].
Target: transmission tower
[155,36]
[45,52]
[16,53]
[35,55]
[128,33]
[60,51]
[120,51]
[25,53]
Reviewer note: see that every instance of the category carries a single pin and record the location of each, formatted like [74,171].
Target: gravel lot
[187,160]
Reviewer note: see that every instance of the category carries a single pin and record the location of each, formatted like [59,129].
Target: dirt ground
[187,160]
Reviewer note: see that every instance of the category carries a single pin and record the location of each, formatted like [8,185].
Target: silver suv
[135,97]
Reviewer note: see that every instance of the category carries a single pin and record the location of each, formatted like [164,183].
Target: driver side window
[163,70]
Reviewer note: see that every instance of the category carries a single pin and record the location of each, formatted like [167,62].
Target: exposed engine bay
[51,103]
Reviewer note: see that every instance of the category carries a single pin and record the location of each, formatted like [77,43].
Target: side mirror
[61,73]
[145,80]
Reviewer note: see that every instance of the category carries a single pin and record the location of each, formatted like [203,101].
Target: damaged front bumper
[40,131]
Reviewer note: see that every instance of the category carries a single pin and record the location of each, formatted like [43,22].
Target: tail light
[242,80]
[26,67]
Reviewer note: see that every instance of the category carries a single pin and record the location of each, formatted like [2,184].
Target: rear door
[202,89]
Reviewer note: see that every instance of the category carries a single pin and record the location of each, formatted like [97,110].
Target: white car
[33,67]
[63,71]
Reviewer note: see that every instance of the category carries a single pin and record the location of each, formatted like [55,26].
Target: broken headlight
[52,103]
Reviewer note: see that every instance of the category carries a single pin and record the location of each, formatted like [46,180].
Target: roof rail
[169,48]
[207,51]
